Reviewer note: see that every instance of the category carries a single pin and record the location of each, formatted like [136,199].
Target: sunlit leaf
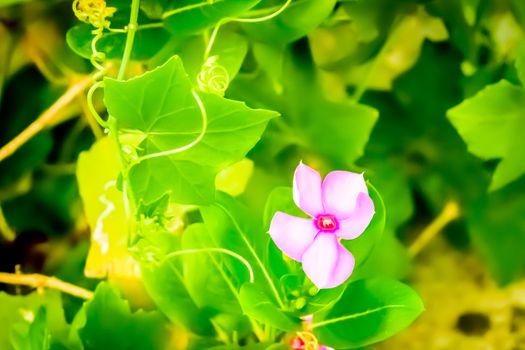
[167,116]
[32,336]
[368,311]
[255,303]
[496,224]
[233,179]
[299,18]
[193,16]
[39,314]
[235,229]
[106,321]
[481,118]
[211,284]
[97,171]
[148,42]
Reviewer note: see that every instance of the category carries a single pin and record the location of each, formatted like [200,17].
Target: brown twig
[449,213]
[36,280]
[45,118]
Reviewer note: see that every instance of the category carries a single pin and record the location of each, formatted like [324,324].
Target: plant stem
[45,118]
[130,38]
[36,280]
[89,119]
[449,213]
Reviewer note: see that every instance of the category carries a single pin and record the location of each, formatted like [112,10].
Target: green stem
[151,25]
[90,105]
[129,200]
[130,38]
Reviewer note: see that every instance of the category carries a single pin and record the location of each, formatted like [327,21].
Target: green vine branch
[130,38]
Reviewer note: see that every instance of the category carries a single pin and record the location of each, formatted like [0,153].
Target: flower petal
[307,190]
[291,234]
[326,262]
[340,191]
[355,225]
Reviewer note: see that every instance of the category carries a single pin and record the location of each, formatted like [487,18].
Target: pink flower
[340,208]
[299,343]
[306,340]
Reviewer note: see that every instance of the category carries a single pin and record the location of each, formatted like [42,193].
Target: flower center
[326,222]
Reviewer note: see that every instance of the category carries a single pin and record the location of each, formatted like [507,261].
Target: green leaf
[343,131]
[234,179]
[299,18]
[317,300]
[256,304]
[256,346]
[21,315]
[164,283]
[106,322]
[390,257]
[520,64]
[369,311]
[154,8]
[400,49]
[234,229]
[161,109]
[496,223]
[495,114]
[335,129]
[4,3]
[229,49]
[210,283]
[278,346]
[148,41]
[193,16]
[97,171]
[34,336]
